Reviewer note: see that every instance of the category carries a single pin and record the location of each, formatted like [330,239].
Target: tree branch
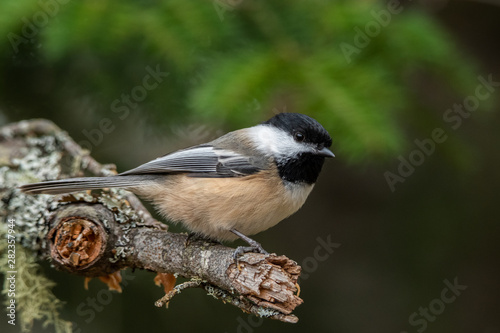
[98,233]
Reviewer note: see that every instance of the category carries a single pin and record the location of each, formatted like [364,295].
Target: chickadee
[240,184]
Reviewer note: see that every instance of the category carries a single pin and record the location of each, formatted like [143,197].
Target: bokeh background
[377,75]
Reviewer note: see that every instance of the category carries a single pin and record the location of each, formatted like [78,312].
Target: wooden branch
[98,233]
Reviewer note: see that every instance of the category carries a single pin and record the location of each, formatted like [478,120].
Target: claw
[240,250]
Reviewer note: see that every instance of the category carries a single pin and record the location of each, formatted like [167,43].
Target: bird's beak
[325,152]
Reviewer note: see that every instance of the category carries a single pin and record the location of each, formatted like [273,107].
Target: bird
[235,186]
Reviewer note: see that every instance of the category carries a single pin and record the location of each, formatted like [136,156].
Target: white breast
[298,192]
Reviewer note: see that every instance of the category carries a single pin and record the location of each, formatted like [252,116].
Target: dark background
[236,67]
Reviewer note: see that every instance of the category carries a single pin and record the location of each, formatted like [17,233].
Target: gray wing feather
[200,160]
[196,159]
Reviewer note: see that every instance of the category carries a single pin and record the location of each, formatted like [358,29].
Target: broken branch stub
[267,280]
[78,239]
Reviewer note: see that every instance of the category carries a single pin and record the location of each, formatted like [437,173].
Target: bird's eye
[299,136]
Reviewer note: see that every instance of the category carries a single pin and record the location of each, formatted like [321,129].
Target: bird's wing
[200,161]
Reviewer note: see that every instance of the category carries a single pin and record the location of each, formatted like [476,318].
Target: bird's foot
[255,248]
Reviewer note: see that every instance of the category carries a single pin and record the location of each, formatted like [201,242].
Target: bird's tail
[84,183]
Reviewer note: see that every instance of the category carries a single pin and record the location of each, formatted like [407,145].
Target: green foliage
[234,64]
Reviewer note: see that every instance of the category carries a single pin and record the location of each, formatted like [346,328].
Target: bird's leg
[254,246]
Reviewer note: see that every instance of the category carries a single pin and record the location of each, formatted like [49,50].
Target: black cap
[297,122]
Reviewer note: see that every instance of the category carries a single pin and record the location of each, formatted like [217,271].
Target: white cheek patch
[274,141]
